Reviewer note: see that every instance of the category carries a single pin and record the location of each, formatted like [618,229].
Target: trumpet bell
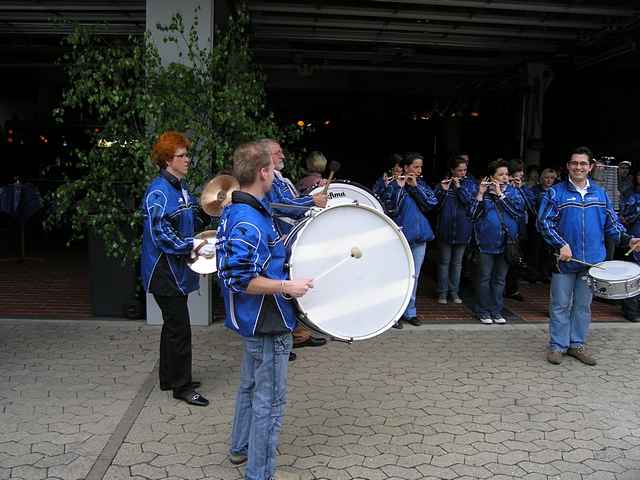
[216,194]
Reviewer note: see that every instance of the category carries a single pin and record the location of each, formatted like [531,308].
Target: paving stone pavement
[436,402]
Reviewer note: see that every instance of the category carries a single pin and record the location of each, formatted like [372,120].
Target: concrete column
[538,78]
[161,11]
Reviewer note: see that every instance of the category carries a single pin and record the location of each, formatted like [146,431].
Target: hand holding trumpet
[445,183]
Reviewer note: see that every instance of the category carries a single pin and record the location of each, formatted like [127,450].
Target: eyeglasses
[579,164]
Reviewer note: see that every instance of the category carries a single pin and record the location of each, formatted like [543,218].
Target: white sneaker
[486,320]
[456,299]
[500,320]
[442,299]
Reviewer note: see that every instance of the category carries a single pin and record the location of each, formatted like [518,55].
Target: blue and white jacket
[382,193]
[283,191]
[169,216]
[407,213]
[630,211]
[248,245]
[454,223]
[490,213]
[565,217]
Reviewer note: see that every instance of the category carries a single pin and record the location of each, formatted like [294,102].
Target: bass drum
[352,298]
[344,191]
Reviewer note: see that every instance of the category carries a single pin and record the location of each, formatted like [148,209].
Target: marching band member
[283,191]
[380,186]
[575,217]
[540,256]
[170,214]
[495,213]
[259,306]
[411,198]
[516,174]
[630,213]
[453,232]
[316,164]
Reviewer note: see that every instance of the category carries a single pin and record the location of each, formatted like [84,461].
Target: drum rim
[594,269]
[368,191]
[205,235]
[412,277]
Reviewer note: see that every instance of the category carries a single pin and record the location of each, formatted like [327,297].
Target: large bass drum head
[362,297]
[343,191]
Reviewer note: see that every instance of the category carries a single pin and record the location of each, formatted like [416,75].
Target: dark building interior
[368,78]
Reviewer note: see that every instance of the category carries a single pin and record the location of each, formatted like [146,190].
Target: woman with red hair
[170,214]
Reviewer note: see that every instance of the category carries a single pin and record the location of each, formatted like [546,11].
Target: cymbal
[216,194]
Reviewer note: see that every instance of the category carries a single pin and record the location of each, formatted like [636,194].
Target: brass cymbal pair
[216,194]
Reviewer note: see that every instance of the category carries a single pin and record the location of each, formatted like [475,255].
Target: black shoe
[193,385]
[398,325]
[192,398]
[292,356]
[414,321]
[515,296]
[311,342]
[633,319]
[237,458]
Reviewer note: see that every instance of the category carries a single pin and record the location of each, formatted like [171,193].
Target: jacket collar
[172,179]
[248,199]
[572,186]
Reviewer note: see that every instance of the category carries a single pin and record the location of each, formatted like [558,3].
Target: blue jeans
[490,281]
[418,251]
[260,403]
[450,268]
[569,311]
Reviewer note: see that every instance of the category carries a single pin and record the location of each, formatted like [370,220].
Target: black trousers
[631,307]
[175,343]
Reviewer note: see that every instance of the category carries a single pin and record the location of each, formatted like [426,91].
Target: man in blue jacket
[259,306]
[283,192]
[575,216]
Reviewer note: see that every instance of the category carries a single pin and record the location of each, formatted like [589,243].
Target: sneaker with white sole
[455,298]
[500,320]
[442,299]
[486,320]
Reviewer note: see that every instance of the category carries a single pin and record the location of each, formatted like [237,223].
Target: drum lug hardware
[348,341]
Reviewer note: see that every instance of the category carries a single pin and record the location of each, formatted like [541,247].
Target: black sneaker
[414,321]
[398,325]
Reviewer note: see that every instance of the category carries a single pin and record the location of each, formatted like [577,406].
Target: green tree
[216,96]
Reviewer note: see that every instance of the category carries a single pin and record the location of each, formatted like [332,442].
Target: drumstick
[333,168]
[355,253]
[583,263]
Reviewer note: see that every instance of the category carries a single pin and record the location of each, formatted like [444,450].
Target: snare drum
[352,298]
[343,191]
[618,280]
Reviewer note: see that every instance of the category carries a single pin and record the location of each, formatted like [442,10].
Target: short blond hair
[316,162]
[248,158]
[548,171]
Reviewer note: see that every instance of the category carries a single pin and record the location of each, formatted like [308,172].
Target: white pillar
[160,12]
